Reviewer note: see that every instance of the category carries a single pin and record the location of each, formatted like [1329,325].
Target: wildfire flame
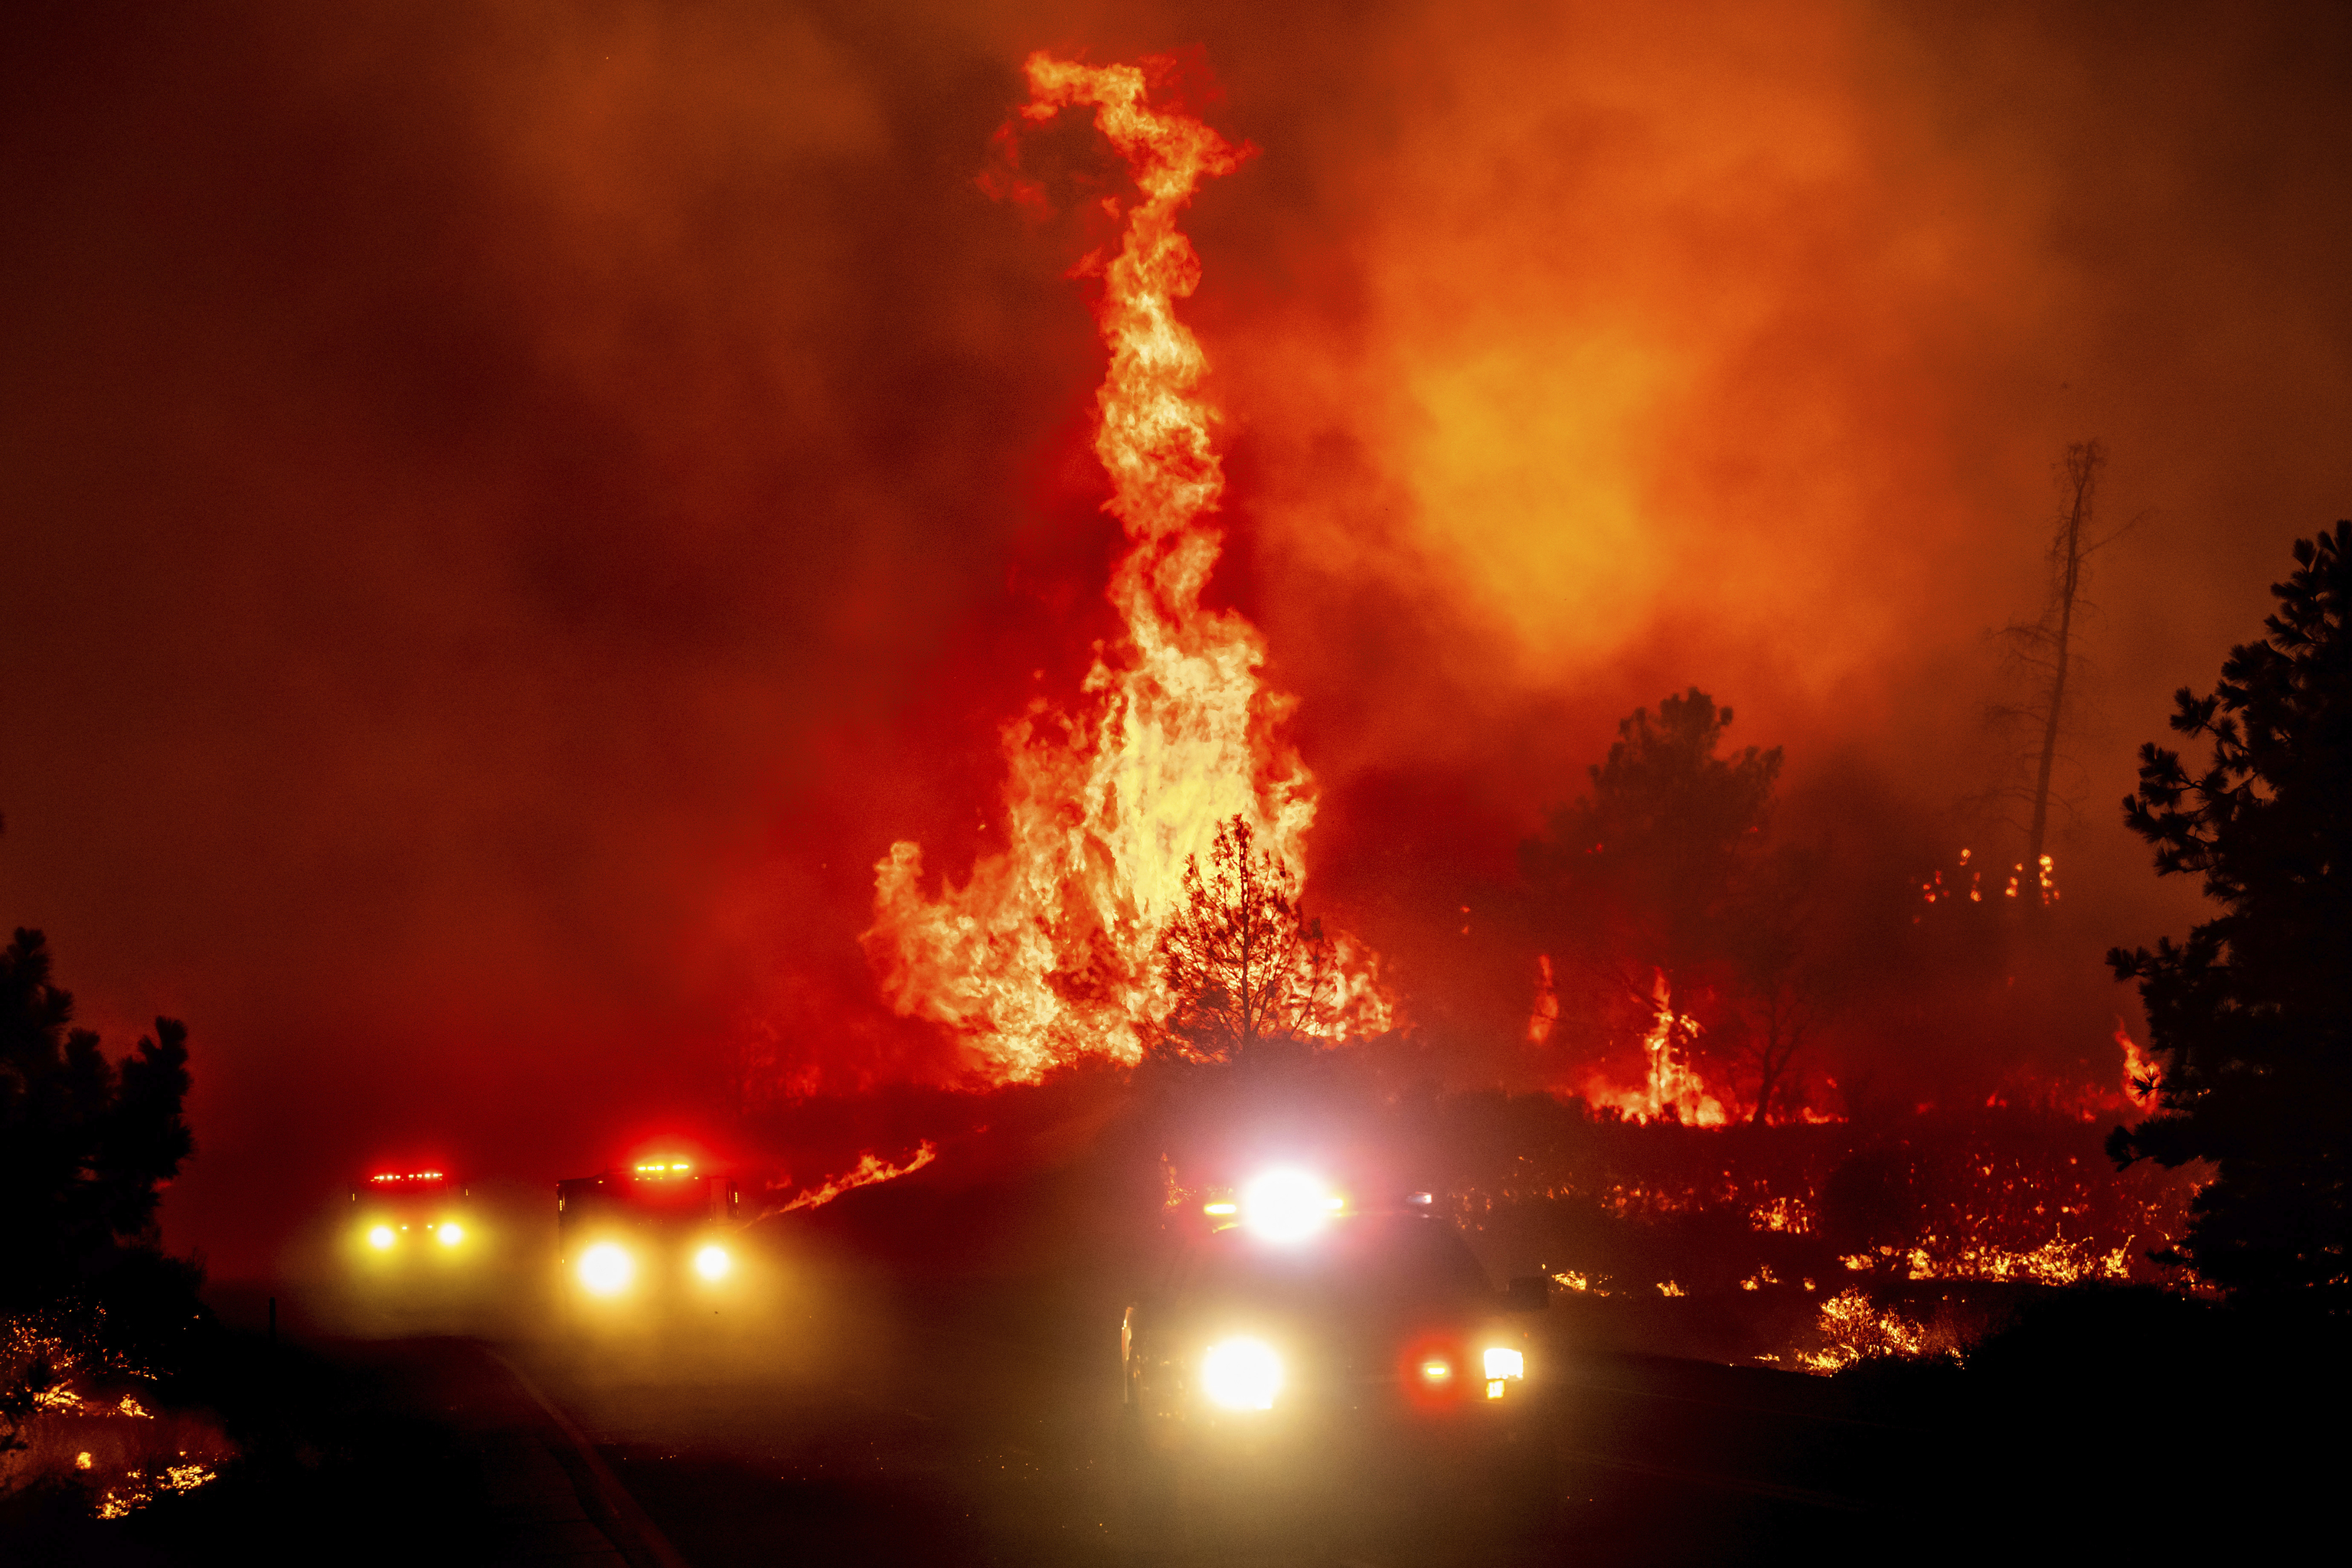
[1857,1330]
[65,1368]
[1544,1017]
[1674,1082]
[870,1168]
[2142,1076]
[1672,1085]
[2044,882]
[1049,951]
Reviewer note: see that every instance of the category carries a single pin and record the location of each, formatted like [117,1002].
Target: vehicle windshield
[1391,1260]
[668,1194]
[664,1199]
[406,1189]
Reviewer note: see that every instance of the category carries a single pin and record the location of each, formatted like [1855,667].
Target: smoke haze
[507,514]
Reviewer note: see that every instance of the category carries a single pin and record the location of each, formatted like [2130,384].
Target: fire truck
[653,1236]
[1298,1316]
[411,1225]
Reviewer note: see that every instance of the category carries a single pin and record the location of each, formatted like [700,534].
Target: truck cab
[650,1236]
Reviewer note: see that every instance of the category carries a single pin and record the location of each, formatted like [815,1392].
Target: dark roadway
[969,1425]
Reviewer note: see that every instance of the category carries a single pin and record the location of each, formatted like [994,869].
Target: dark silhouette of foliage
[85,1144]
[1778,1018]
[1246,968]
[2251,1017]
[1665,870]
[85,1147]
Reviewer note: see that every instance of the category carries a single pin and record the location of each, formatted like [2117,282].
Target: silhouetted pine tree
[1667,869]
[1246,968]
[2251,1017]
[85,1144]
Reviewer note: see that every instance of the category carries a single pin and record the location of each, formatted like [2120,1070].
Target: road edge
[619,1506]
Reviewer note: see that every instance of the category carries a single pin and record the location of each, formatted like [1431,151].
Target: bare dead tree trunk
[2083,460]
[1768,1079]
[1786,1019]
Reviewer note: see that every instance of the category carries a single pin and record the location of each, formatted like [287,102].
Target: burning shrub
[1853,1327]
[83,1414]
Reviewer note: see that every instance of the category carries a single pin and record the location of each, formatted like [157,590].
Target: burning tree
[1664,911]
[1047,954]
[1246,969]
[2250,1020]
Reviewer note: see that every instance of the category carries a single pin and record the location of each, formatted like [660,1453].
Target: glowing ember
[2043,881]
[1783,1213]
[59,1364]
[1049,951]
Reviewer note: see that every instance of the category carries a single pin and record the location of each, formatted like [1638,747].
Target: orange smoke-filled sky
[509,512]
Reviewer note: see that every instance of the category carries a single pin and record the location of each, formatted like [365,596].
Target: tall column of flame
[1674,1084]
[1048,952]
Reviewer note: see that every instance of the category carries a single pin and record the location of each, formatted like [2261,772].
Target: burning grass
[86,1417]
[1727,1243]
[1811,1244]
[1992,1195]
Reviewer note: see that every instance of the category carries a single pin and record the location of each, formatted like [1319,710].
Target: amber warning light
[658,1168]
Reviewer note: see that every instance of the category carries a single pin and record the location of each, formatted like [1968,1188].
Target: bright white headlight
[606,1269]
[712,1262]
[380,1237]
[451,1233]
[1286,1205]
[1242,1374]
[1503,1362]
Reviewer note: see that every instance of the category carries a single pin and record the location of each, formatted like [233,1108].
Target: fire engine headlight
[380,1237]
[1501,1362]
[606,1269]
[1242,1374]
[1287,1206]
[451,1233]
[712,1262]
